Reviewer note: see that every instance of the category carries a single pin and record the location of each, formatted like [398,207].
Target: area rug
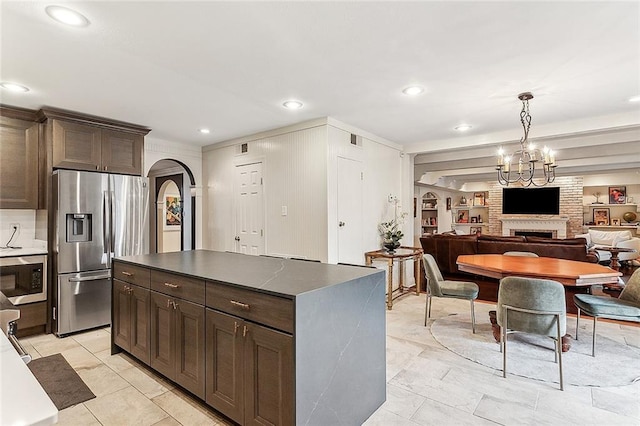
[60,381]
[615,363]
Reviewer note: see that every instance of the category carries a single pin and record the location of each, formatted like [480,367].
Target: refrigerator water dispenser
[78,227]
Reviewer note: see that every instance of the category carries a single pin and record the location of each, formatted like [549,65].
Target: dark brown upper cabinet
[19,159]
[83,142]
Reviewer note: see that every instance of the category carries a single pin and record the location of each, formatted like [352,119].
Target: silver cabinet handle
[172,285]
[239,304]
[127,274]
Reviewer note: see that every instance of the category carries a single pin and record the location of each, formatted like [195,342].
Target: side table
[615,265]
[400,255]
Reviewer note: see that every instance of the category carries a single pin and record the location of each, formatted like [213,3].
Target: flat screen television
[531,200]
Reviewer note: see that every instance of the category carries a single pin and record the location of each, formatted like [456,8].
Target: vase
[391,246]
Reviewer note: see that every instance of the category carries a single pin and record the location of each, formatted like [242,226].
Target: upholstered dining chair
[520,253]
[437,286]
[533,306]
[626,307]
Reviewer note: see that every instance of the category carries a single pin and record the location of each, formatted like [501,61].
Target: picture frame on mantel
[601,217]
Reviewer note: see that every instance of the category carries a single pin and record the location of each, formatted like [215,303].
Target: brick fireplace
[566,225]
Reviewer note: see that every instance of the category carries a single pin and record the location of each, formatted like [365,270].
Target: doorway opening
[172,215]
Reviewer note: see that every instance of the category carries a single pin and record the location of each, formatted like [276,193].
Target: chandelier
[527,158]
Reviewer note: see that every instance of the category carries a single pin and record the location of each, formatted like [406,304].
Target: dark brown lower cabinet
[178,341]
[131,319]
[249,371]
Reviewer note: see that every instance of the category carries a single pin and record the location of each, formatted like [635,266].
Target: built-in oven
[23,279]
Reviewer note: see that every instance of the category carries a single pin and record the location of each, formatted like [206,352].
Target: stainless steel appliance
[97,216]
[23,279]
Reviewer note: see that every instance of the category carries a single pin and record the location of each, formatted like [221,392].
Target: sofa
[446,248]
[596,238]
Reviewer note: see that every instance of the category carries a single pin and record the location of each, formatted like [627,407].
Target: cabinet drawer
[179,286]
[262,308]
[131,274]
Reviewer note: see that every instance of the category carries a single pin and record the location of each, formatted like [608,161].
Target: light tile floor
[427,384]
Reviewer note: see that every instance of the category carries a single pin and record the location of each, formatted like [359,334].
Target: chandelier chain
[527,156]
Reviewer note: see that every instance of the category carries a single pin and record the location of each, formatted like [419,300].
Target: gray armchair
[439,287]
[532,306]
[626,307]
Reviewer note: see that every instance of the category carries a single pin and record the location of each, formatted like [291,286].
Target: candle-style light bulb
[507,164]
[500,156]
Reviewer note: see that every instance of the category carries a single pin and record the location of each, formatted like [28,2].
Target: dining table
[570,273]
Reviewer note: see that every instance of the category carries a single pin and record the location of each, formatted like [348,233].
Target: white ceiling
[179,66]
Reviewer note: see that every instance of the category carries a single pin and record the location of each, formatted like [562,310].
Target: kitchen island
[260,339]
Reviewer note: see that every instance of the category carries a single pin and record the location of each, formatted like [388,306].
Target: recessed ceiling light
[634,99]
[413,90]
[14,87]
[463,127]
[67,16]
[292,104]
[204,131]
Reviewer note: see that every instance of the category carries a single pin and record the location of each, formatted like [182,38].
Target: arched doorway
[172,215]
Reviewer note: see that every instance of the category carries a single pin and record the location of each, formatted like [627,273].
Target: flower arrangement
[390,232]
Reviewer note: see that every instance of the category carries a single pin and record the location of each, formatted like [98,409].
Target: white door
[249,235]
[350,211]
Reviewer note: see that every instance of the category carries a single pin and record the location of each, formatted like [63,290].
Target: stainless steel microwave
[23,279]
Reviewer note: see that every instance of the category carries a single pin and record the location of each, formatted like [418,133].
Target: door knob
[237,238]
[341,224]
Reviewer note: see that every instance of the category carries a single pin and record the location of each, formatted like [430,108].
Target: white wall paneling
[294,173]
[300,177]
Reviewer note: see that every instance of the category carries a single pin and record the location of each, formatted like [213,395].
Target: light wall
[299,170]
[294,175]
[27,227]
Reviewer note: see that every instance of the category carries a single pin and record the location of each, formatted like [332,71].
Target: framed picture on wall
[601,217]
[478,199]
[172,212]
[448,203]
[617,194]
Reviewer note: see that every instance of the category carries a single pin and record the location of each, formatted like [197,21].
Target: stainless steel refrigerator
[97,216]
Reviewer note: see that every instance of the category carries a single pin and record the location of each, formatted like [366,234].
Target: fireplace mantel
[558,225]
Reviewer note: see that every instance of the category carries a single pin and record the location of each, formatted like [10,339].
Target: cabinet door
[163,338]
[76,146]
[121,328]
[190,346]
[224,364]
[140,330]
[122,152]
[268,377]
[18,164]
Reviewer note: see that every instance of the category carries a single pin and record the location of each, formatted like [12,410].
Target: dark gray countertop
[283,277]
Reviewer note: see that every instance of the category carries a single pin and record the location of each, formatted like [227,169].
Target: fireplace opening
[542,234]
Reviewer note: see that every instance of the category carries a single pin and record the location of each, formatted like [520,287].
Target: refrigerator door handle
[105,226]
[92,278]
[112,214]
